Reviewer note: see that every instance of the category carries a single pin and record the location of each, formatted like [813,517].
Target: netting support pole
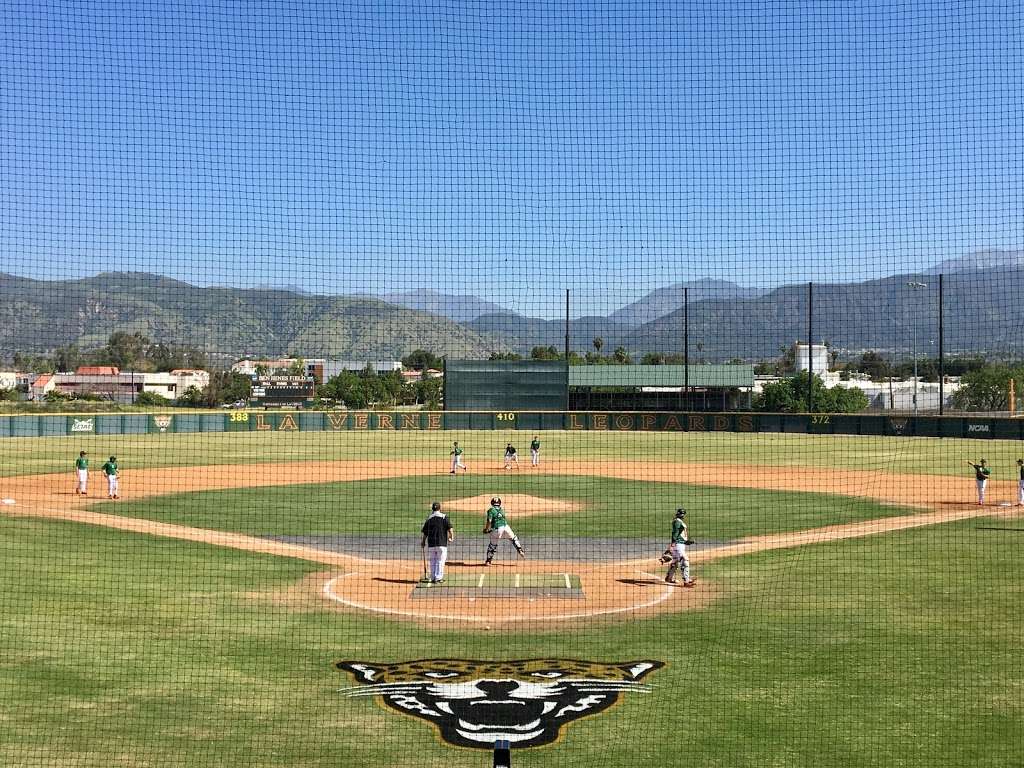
[810,347]
[942,353]
[566,349]
[686,346]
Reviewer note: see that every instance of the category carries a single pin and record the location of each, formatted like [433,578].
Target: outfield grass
[892,650]
[611,507]
[484,449]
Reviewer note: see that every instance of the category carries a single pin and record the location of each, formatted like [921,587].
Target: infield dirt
[628,588]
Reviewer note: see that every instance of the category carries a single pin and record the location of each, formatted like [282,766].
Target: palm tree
[598,343]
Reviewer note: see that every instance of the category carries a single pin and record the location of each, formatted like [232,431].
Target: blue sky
[508,149]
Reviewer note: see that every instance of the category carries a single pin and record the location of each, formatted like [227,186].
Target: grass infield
[611,507]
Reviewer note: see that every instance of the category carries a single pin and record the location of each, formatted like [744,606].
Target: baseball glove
[665,558]
[688,542]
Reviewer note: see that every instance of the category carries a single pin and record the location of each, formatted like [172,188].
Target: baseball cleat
[521,554]
[689,583]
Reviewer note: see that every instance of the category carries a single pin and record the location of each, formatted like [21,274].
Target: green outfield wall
[599,421]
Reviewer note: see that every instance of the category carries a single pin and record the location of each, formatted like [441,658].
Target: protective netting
[277,277]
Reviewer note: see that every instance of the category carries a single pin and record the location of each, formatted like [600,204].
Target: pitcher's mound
[516,504]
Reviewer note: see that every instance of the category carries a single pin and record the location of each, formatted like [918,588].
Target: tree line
[126,351]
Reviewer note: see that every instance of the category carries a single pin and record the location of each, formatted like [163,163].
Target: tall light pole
[914,285]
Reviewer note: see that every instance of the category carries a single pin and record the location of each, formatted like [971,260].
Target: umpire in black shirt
[437,534]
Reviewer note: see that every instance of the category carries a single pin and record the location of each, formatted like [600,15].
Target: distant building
[40,386]
[411,376]
[109,383]
[896,395]
[818,355]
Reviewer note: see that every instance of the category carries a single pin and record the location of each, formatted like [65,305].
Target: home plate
[1001,503]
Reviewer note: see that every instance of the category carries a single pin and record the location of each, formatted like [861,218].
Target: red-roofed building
[40,386]
[97,370]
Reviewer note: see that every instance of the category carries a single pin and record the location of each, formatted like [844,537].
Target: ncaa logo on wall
[163,422]
[473,703]
[83,425]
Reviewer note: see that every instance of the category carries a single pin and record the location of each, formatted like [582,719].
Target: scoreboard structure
[283,391]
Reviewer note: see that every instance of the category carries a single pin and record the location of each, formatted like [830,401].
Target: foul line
[330,594]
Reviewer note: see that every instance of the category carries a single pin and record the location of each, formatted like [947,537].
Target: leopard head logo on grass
[475,703]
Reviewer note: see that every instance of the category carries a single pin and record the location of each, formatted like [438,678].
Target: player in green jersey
[497,526]
[535,452]
[82,473]
[110,470]
[456,454]
[677,550]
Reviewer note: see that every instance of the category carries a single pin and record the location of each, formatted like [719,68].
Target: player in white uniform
[535,452]
[676,552]
[437,534]
[1020,483]
[981,475]
[110,470]
[82,474]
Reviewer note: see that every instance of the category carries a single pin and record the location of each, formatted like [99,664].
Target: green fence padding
[135,423]
[951,427]
[794,423]
[188,422]
[52,425]
[1006,429]
[212,422]
[977,428]
[25,426]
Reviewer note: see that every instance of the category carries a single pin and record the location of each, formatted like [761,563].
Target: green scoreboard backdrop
[506,385]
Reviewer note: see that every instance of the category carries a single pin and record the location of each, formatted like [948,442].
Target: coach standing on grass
[437,535]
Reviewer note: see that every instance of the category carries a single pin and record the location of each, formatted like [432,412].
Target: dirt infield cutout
[516,504]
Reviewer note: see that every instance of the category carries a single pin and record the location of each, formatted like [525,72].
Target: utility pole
[686,344]
[810,347]
[567,403]
[942,354]
[914,286]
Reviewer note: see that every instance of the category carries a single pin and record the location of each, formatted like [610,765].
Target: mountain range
[38,316]
[984,313]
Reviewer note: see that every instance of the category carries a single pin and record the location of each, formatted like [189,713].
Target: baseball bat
[423,553]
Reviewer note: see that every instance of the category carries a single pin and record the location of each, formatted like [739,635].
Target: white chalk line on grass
[330,594]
